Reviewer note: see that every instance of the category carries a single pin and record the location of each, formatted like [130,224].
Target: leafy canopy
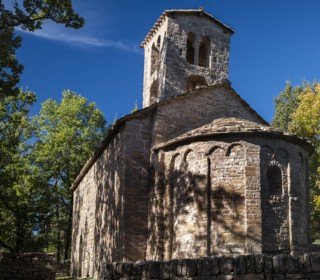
[18,194]
[27,15]
[68,133]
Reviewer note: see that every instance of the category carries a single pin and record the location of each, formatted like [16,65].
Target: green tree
[19,195]
[297,109]
[68,133]
[285,103]
[30,16]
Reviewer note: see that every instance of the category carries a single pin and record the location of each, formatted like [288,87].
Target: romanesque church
[196,172]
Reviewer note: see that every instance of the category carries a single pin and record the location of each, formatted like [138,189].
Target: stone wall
[276,267]
[199,108]
[28,266]
[169,73]
[177,69]
[110,202]
[212,197]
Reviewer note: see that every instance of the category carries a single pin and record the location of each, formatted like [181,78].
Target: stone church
[196,172]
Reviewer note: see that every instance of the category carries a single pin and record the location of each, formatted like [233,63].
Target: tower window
[195,81]
[154,92]
[274,179]
[155,58]
[190,47]
[204,52]
[159,42]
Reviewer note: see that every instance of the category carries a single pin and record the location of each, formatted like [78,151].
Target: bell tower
[184,50]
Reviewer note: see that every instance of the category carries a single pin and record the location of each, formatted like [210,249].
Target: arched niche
[235,150]
[196,81]
[282,156]
[267,152]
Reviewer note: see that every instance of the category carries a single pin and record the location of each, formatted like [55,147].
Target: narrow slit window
[190,47]
[155,59]
[204,49]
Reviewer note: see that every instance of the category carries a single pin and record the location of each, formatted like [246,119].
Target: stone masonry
[27,266]
[257,267]
[196,173]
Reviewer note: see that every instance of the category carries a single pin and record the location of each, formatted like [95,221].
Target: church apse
[195,173]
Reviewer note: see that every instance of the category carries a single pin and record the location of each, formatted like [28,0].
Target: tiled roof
[199,12]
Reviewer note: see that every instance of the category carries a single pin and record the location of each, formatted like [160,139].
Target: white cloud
[81,40]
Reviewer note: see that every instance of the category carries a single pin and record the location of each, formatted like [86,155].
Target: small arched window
[204,50]
[159,42]
[274,180]
[190,47]
[195,81]
[154,89]
[155,58]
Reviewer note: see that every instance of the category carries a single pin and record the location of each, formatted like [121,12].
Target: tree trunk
[68,234]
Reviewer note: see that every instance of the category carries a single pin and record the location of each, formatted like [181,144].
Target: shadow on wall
[192,213]
[108,212]
[275,201]
[78,203]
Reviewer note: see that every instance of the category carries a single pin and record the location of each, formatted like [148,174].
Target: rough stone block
[315,262]
[240,265]
[225,277]
[278,277]
[250,264]
[208,278]
[205,266]
[268,267]
[295,276]
[137,268]
[304,263]
[166,270]
[155,269]
[179,268]
[291,264]
[127,269]
[189,267]
[259,263]
[173,268]
[215,266]
[226,265]
[278,264]
[313,276]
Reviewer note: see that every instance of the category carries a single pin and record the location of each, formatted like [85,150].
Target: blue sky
[275,41]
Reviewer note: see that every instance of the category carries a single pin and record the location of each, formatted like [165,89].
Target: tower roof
[192,12]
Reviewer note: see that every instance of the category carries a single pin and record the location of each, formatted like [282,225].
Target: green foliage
[68,133]
[28,15]
[40,159]
[285,103]
[18,192]
[298,111]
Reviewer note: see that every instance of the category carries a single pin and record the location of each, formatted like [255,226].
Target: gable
[199,107]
